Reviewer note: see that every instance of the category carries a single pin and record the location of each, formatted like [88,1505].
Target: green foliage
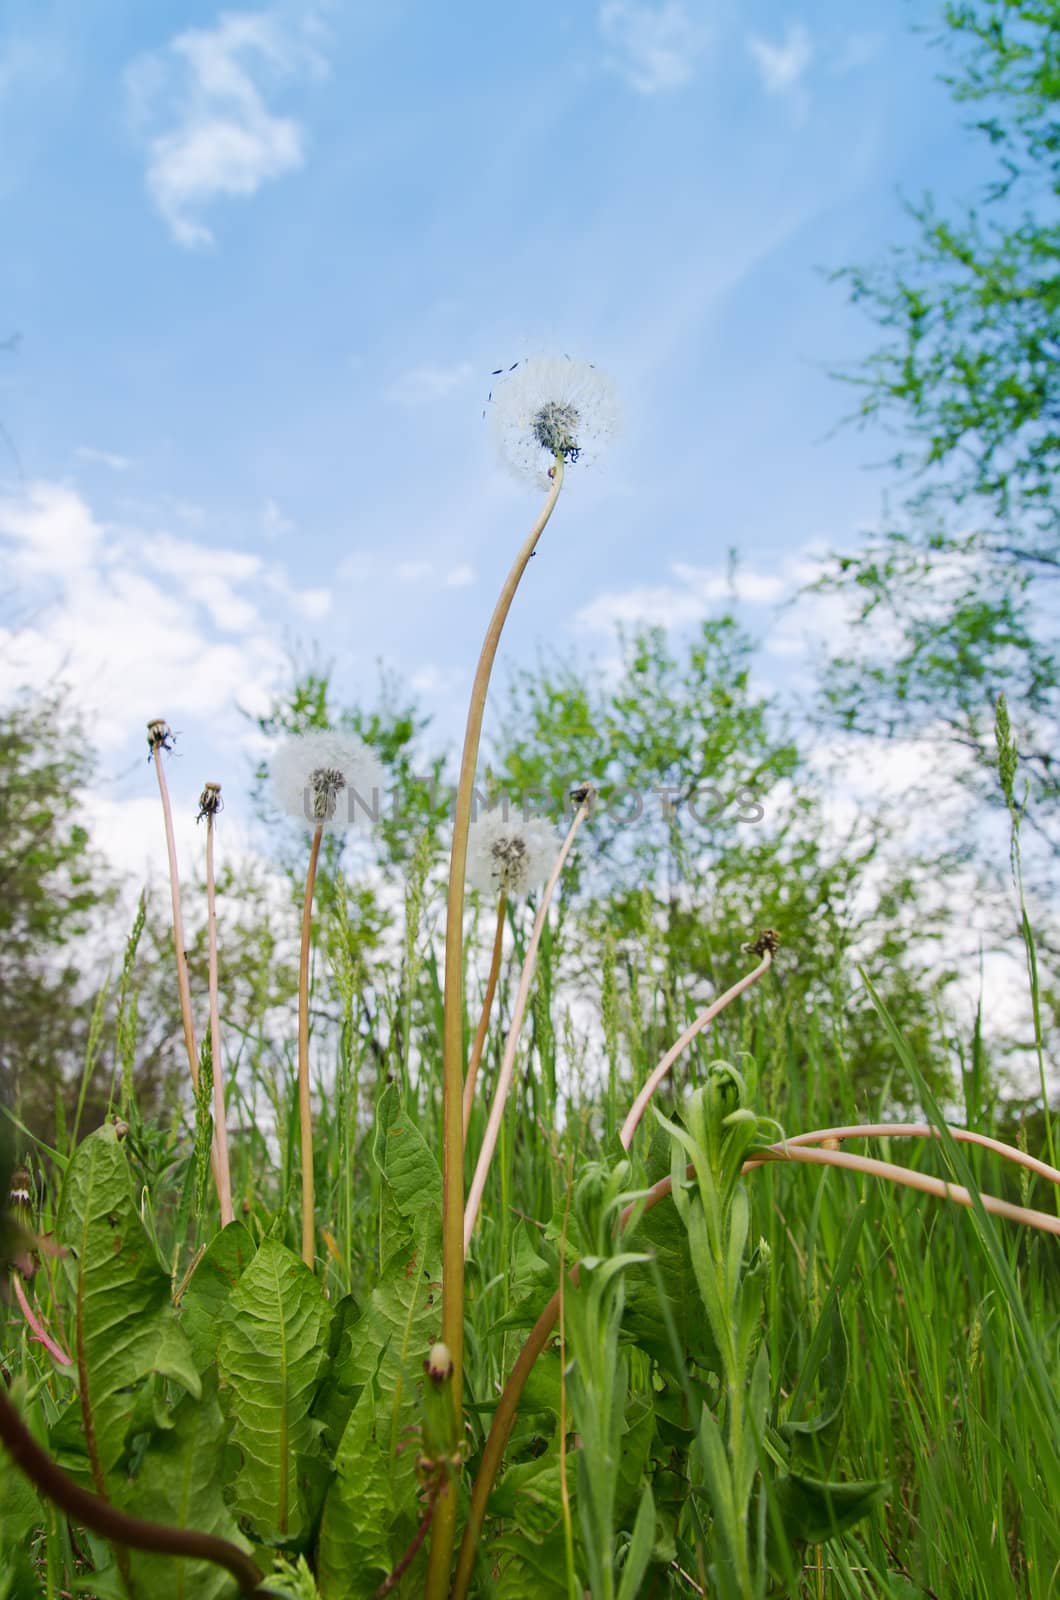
[53,887]
[270,1357]
[125,1326]
[969,373]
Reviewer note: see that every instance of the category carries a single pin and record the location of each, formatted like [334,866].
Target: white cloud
[52,530]
[431,679]
[413,571]
[424,384]
[674,605]
[781,66]
[207,576]
[655,47]
[103,458]
[201,108]
[460,576]
[139,624]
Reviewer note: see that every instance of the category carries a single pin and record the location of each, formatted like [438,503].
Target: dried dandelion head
[509,856]
[210,802]
[552,407]
[329,781]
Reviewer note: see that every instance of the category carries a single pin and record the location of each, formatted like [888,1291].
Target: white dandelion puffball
[509,856]
[328,780]
[552,406]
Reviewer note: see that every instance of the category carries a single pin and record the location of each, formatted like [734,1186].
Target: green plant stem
[484,1020]
[94,1512]
[453,1039]
[220,1122]
[507,1406]
[305,1109]
[504,1077]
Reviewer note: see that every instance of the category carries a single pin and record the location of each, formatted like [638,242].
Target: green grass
[951,1318]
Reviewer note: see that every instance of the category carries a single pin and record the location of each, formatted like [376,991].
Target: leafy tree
[709,828]
[53,890]
[957,601]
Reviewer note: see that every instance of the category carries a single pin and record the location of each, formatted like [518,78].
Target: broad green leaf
[178,1483]
[386,1347]
[270,1356]
[662,1232]
[813,1511]
[338,1392]
[412,1181]
[204,1303]
[354,1556]
[123,1322]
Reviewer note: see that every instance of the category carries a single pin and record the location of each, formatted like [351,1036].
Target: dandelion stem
[484,1020]
[37,1328]
[504,1077]
[918,1130]
[453,1042]
[640,1105]
[305,1110]
[220,1125]
[183,983]
[93,1511]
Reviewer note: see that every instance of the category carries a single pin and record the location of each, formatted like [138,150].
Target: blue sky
[264,260]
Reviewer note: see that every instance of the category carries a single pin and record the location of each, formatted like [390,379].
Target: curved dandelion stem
[484,1020]
[453,1040]
[916,1130]
[94,1512]
[305,1109]
[640,1105]
[507,1407]
[220,1125]
[507,1072]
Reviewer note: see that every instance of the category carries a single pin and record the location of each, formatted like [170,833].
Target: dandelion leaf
[178,1483]
[124,1323]
[204,1303]
[354,1550]
[271,1354]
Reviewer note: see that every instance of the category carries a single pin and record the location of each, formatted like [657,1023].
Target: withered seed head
[210,802]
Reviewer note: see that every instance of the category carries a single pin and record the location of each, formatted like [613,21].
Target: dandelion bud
[439,1364]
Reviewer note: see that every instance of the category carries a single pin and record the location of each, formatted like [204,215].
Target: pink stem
[918,1130]
[37,1328]
[908,1179]
[640,1104]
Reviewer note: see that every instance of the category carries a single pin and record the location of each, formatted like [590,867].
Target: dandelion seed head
[330,781]
[552,406]
[509,856]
